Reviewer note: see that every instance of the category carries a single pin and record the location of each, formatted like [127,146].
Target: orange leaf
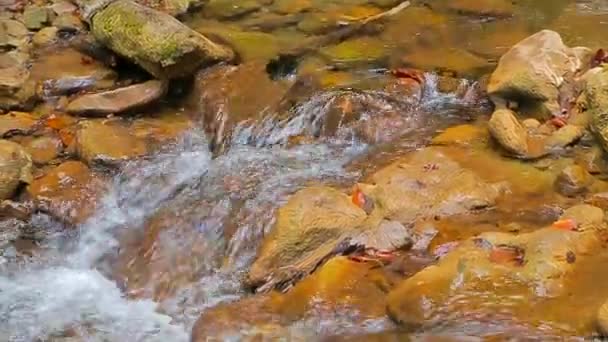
[358,198]
[566,224]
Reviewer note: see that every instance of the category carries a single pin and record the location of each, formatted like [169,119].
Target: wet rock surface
[429,184]
[118,100]
[15,168]
[107,143]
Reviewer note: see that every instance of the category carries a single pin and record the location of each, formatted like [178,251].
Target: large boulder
[595,99]
[523,276]
[15,168]
[156,41]
[319,222]
[533,71]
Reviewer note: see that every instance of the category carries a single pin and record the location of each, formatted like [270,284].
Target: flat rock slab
[117,101]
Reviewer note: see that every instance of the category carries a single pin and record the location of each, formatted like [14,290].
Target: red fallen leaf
[373,255]
[558,122]
[507,255]
[566,224]
[358,197]
[67,137]
[600,57]
[414,74]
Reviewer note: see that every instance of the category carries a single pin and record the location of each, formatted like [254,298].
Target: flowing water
[98,283]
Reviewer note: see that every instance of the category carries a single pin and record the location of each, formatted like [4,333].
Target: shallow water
[208,216]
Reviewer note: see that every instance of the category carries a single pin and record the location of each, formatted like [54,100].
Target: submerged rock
[68,192]
[15,168]
[68,71]
[43,149]
[13,34]
[157,42]
[573,180]
[35,17]
[533,71]
[118,100]
[517,274]
[319,222]
[107,143]
[338,288]
[226,96]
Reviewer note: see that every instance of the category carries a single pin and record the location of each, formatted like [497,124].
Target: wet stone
[16,123]
[107,143]
[15,168]
[13,34]
[43,149]
[67,192]
[68,22]
[46,36]
[573,180]
[36,17]
[229,8]
[118,100]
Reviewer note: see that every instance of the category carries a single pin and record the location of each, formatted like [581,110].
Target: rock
[68,22]
[15,168]
[16,91]
[117,101]
[246,43]
[355,51]
[530,123]
[10,230]
[532,272]
[13,34]
[171,7]
[68,192]
[602,319]
[230,9]
[595,98]
[533,71]
[340,283]
[36,17]
[494,8]
[43,149]
[455,60]
[107,143]
[46,36]
[573,180]
[319,222]
[462,135]
[508,132]
[291,6]
[63,7]
[68,71]
[564,136]
[16,122]
[227,96]
[155,41]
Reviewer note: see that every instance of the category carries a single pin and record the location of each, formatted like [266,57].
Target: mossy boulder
[157,42]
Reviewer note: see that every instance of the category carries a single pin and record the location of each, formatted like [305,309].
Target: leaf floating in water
[410,73]
[566,224]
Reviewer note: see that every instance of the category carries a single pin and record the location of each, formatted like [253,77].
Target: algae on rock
[157,42]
